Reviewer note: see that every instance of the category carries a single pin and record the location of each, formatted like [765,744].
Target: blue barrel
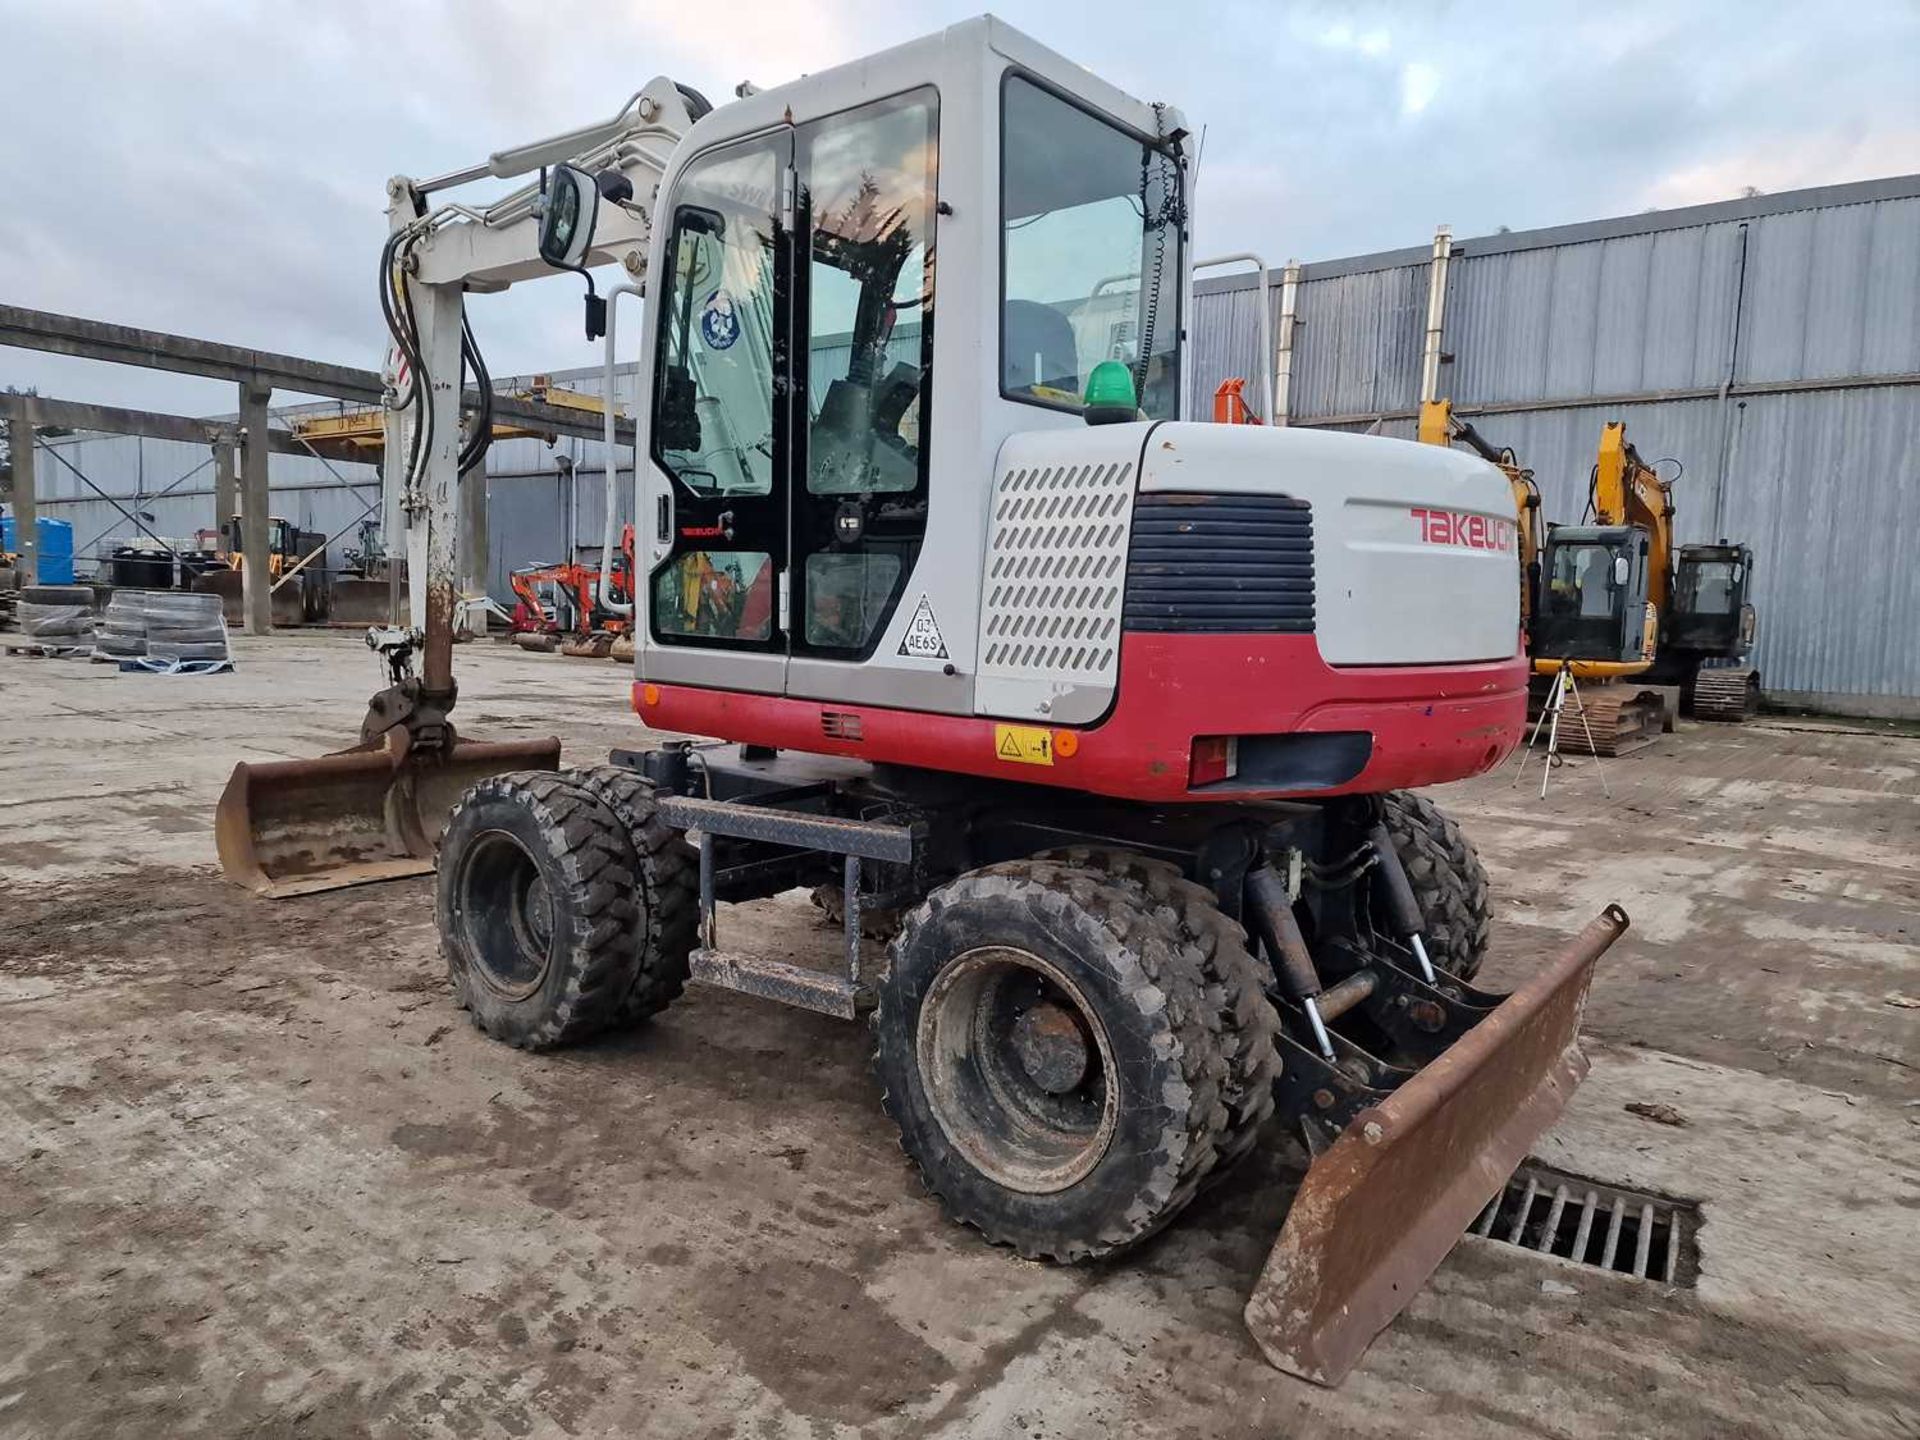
[56,547]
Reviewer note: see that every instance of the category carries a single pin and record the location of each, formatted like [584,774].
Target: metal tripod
[1551,715]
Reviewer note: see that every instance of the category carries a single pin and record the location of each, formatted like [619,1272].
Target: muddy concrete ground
[259,1177]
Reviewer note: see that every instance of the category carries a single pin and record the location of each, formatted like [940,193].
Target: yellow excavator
[1592,596]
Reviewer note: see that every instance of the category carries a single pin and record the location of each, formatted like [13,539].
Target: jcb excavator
[1706,624]
[1123,714]
[1612,602]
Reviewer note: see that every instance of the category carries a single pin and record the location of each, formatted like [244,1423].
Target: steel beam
[226,486]
[256,585]
[110,420]
[26,510]
[156,350]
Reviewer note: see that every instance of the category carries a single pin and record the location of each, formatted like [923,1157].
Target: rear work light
[1215,758]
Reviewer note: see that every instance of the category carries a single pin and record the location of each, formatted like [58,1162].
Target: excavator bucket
[1384,1203]
[292,827]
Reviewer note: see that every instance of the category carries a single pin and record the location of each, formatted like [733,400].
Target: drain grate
[1646,1236]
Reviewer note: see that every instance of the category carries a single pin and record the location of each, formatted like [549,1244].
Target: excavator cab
[1593,602]
[1710,614]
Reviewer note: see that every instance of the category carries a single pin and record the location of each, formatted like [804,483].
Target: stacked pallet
[168,625]
[55,618]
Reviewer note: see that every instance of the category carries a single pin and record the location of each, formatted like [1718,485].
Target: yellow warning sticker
[1023,744]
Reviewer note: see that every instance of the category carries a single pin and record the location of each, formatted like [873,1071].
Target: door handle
[663,525]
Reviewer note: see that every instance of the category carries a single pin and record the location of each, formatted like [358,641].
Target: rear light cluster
[1215,758]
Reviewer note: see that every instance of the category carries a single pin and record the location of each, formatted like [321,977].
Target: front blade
[293,827]
[1380,1209]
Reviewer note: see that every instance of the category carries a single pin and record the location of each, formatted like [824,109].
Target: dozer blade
[292,827]
[1382,1206]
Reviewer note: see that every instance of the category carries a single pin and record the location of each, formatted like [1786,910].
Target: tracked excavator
[1615,604]
[1125,717]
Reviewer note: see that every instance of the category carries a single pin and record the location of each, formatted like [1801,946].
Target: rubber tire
[197,634]
[1146,985]
[1449,882]
[1236,985]
[666,901]
[582,853]
[57,595]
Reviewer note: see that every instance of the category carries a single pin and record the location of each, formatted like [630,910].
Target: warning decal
[923,634]
[1023,744]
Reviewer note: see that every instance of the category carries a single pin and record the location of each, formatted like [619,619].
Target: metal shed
[1769,345]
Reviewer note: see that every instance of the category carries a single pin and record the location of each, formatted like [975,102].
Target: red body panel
[1430,723]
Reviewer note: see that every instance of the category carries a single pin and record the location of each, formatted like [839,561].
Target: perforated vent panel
[1055,578]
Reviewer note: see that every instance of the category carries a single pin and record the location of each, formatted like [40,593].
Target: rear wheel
[1235,986]
[1449,882]
[1044,1045]
[535,911]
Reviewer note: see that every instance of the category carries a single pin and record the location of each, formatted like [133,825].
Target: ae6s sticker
[923,640]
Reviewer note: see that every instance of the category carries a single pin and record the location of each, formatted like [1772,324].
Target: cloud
[1419,83]
[217,168]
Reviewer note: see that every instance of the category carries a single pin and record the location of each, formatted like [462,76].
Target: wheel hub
[1052,1047]
[1017,1069]
[507,911]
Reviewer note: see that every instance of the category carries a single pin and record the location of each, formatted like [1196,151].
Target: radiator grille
[1223,563]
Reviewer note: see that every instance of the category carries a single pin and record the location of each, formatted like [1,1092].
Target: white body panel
[1055,573]
[1393,584]
[970,419]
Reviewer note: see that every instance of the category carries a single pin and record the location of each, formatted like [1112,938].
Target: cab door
[716,508]
[866,200]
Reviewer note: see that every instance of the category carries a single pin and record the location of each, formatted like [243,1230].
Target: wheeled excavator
[1125,715]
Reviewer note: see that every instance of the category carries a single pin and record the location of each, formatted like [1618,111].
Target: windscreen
[1092,220]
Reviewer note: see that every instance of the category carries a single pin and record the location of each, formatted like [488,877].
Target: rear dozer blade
[1382,1206]
[292,827]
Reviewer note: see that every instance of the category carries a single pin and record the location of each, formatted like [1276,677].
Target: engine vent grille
[1223,563]
[1055,558]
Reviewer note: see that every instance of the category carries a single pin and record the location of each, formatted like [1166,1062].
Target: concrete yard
[258,1176]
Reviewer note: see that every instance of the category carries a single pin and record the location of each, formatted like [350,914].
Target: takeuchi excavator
[1124,718]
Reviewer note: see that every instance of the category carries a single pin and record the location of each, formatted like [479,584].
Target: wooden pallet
[49,652]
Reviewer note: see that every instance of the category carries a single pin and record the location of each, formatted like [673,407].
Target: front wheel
[534,901]
[1046,1048]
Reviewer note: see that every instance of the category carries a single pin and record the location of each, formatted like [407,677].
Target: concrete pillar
[473,544]
[226,486]
[257,583]
[26,501]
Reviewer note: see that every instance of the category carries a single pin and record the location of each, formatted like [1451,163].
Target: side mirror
[569,206]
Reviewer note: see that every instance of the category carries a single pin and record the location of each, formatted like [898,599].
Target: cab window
[1092,220]
[868,178]
[713,393]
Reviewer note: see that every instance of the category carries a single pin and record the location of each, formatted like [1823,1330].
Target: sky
[218,169]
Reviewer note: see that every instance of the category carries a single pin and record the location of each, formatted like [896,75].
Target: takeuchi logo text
[1451,527]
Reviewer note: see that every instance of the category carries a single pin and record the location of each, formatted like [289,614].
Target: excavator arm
[376,809]
[1440,426]
[1628,491]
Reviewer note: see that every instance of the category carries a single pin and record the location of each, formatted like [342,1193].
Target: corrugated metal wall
[1797,429]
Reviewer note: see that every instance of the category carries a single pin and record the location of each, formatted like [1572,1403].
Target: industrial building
[1770,346]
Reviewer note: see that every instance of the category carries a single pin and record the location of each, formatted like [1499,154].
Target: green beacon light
[1110,399]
